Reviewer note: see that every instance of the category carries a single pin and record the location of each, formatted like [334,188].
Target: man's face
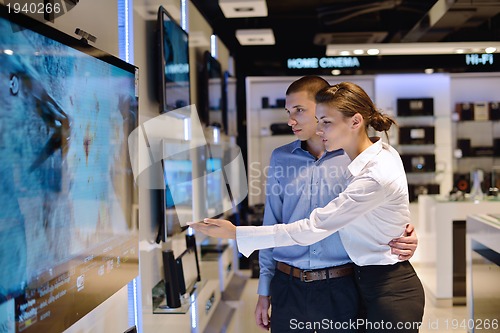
[301,110]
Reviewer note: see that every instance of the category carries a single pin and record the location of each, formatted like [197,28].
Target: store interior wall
[100,18]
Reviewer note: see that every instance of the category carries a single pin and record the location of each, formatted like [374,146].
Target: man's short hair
[310,83]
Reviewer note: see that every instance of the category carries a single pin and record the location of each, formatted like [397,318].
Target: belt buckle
[303,275]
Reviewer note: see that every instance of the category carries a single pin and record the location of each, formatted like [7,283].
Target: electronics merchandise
[212,104]
[416,135]
[173,60]
[419,163]
[67,242]
[415,107]
[414,190]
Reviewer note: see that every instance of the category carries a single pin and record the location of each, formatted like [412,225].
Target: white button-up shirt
[372,210]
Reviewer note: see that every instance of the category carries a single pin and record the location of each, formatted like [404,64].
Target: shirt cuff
[264,285]
[251,238]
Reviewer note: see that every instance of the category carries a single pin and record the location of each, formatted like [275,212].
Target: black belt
[309,275]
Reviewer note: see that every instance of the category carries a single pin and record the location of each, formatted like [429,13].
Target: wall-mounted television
[173,56]
[211,98]
[67,242]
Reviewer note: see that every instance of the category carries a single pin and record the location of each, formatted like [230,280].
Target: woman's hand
[216,228]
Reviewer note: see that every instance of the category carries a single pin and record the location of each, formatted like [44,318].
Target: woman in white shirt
[372,210]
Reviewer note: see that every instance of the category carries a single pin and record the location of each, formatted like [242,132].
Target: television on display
[67,242]
[212,103]
[173,57]
[178,176]
[215,181]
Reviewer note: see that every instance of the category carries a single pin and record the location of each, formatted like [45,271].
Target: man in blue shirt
[310,287]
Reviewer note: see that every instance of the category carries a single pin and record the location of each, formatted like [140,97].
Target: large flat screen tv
[67,242]
[173,58]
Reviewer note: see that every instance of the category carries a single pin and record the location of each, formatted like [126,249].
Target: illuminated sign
[325,62]
[479,59]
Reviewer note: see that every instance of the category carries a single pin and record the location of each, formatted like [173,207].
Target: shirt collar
[366,156]
[297,144]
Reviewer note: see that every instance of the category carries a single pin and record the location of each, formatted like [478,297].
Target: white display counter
[435,231]
[483,272]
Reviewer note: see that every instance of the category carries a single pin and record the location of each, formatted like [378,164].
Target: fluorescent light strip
[413,48]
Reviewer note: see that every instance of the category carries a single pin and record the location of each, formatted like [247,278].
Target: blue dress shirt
[297,183]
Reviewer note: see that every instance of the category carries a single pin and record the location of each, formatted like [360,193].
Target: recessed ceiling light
[490,50]
[344,53]
[429,70]
[460,51]
[373,51]
[243,8]
[336,72]
[255,36]
[358,52]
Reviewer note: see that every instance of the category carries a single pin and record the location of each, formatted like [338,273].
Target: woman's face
[333,127]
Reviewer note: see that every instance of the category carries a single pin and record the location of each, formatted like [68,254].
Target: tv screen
[178,194]
[211,93]
[215,182]
[67,242]
[173,49]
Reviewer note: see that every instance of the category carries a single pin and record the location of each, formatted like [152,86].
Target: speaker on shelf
[496,147]
[494,110]
[281,129]
[414,190]
[465,111]
[280,102]
[464,146]
[461,181]
[415,106]
[416,135]
[265,102]
[419,163]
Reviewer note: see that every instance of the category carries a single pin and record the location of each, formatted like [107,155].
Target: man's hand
[215,228]
[262,312]
[406,245]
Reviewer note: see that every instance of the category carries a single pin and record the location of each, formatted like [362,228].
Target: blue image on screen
[178,183]
[214,185]
[66,184]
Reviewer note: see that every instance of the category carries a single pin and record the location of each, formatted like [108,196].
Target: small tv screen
[173,57]
[67,242]
[215,182]
[178,183]
[178,178]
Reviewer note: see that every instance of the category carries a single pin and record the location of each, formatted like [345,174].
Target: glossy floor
[436,319]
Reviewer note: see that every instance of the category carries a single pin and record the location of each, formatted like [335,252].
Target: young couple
[337,252]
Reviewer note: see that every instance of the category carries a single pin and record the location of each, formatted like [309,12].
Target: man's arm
[406,245]
[272,215]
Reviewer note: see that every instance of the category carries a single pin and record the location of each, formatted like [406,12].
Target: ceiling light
[358,52]
[490,50]
[336,72]
[8,52]
[344,53]
[243,8]
[416,48]
[373,51]
[429,70]
[460,51]
[255,36]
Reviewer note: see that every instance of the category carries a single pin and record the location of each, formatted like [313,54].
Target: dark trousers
[321,306]
[392,295]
